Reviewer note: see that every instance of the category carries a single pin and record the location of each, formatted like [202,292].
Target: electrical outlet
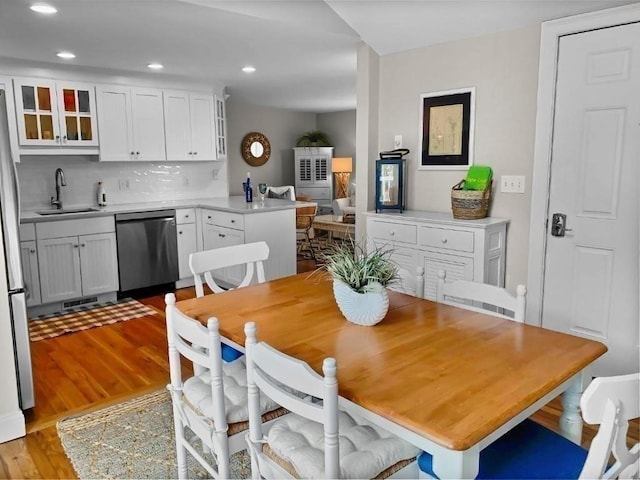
[397,141]
[512,183]
[123,184]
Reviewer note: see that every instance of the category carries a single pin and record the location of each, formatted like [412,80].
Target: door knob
[559,225]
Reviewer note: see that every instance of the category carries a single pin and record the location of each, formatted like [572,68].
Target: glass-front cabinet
[55,113]
[390,173]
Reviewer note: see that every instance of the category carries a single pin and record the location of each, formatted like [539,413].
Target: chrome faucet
[59,183]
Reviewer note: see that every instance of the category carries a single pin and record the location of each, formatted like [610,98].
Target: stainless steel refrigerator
[10,217]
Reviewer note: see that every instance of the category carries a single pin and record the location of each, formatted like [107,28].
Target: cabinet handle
[32,250]
[443,239]
[64,139]
[75,246]
[221,235]
[57,138]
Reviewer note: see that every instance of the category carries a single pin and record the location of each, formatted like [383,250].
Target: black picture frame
[446,129]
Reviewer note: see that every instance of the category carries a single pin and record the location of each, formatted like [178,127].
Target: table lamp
[342,168]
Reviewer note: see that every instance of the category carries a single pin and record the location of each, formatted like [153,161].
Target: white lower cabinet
[187,245]
[464,249]
[29,257]
[73,266]
[216,236]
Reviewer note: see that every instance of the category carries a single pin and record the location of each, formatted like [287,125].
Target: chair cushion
[365,449]
[229,354]
[197,392]
[283,193]
[528,451]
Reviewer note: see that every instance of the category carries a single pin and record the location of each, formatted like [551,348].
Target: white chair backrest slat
[252,255]
[454,293]
[298,378]
[410,282]
[611,402]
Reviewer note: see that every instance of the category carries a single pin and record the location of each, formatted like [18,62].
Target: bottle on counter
[102,195]
[248,192]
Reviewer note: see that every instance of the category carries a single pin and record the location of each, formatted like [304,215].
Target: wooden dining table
[449,380]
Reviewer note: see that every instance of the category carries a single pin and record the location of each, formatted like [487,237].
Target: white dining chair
[317,440]
[251,255]
[461,292]
[285,192]
[531,451]
[212,404]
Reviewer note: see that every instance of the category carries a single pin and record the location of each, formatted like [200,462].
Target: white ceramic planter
[366,308]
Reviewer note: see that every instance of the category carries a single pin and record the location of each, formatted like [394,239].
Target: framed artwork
[446,129]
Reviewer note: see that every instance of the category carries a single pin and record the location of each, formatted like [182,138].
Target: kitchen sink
[68,210]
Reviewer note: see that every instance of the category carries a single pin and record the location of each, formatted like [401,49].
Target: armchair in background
[346,206]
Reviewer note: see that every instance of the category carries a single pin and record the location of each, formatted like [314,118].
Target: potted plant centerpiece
[314,138]
[359,281]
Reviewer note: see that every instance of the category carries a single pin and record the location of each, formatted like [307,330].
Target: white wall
[504,69]
[280,126]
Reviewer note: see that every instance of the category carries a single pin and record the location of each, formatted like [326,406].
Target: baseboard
[12,426]
[185,282]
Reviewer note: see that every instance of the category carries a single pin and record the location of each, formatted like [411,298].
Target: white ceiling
[304,50]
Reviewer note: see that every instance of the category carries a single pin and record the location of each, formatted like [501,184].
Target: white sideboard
[464,249]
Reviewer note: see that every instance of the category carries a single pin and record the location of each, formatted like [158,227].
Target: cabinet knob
[209,217]
[57,138]
[186,216]
[75,246]
[64,139]
[392,233]
[32,250]
[195,153]
[83,245]
[137,153]
[190,153]
[180,232]
[233,221]
[133,153]
[443,239]
[221,235]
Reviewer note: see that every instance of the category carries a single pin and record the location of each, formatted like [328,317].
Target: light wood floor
[95,368]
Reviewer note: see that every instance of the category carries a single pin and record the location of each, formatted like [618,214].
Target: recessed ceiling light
[43,8]
[66,55]
[155,66]
[248,69]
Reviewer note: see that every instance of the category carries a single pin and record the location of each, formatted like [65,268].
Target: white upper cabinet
[130,123]
[221,128]
[55,113]
[189,126]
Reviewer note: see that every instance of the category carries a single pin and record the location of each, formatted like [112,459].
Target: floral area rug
[134,439]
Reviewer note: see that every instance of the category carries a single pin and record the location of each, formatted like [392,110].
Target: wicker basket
[470,204]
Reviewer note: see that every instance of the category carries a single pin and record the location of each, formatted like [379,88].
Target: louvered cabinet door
[98,263]
[455,268]
[59,266]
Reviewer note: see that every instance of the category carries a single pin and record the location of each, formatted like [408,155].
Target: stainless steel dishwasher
[147,249]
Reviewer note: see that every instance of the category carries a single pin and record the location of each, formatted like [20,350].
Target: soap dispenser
[102,195]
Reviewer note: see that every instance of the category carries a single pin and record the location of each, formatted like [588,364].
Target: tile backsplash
[123,182]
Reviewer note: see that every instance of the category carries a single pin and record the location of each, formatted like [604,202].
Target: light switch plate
[397,141]
[512,183]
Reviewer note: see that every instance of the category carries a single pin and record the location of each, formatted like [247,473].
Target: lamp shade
[342,165]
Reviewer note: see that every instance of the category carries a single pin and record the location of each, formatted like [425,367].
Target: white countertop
[235,204]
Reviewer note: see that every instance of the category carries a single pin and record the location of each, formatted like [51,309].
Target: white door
[177,125]
[114,123]
[187,245]
[29,256]
[148,124]
[591,273]
[98,263]
[202,127]
[59,266]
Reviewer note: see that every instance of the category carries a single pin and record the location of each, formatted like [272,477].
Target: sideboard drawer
[398,232]
[458,240]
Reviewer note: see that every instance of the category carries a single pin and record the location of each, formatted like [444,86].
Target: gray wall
[504,69]
[280,126]
[341,128]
